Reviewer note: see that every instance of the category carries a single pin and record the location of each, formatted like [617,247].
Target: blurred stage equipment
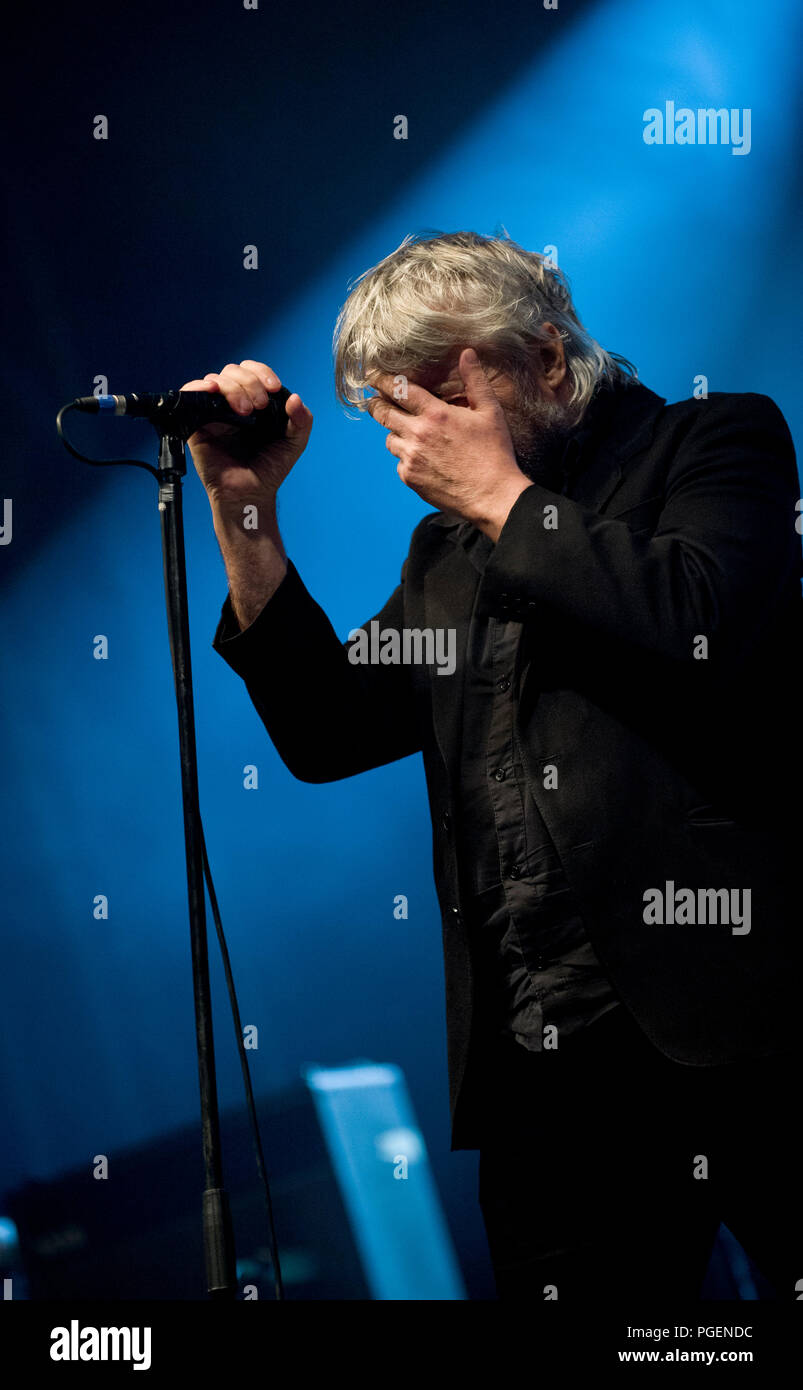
[357,1212]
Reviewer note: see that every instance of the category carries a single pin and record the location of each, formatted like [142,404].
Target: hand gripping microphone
[181,413]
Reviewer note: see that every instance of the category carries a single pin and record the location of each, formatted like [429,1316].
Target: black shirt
[534,964]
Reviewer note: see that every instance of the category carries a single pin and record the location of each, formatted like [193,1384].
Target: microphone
[181,413]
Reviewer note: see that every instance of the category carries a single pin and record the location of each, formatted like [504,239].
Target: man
[611,768]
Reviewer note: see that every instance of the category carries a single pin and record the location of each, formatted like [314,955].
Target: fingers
[386,414]
[479,391]
[199,385]
[242,388]
[413,402]
[245,385]
[265,373]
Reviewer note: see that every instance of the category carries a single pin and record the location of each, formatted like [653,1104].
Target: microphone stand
[218,1236]
[174,417]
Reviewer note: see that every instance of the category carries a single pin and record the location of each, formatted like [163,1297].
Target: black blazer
[677,523]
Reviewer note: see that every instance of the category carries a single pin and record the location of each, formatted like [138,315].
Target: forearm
[714,567]
[254,557]
[327,716]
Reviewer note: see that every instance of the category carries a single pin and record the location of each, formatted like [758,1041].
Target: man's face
[537,424]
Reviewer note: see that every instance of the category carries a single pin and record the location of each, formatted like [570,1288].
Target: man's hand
[226,471]
[460,460]
[242,482]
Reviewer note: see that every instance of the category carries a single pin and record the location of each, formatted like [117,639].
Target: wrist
[230,511]
[498,507]
[250,519]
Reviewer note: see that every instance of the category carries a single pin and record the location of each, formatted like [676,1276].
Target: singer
[623,576]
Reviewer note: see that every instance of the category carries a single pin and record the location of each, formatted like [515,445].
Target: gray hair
[440,291]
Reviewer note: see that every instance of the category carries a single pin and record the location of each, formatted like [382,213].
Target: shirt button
[539,963]
[515,871]
[454,913]
[500,774]
[446,820]
[504,684]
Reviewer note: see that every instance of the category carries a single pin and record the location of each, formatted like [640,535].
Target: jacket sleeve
[327,717]
[722,553]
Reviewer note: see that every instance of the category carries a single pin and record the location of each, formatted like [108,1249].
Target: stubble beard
[539,430]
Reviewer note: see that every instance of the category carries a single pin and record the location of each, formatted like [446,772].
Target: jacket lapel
[617,427]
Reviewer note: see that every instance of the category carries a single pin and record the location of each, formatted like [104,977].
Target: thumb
[299,418]
[479,391]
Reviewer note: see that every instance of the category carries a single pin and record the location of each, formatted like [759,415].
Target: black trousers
[605,1168]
